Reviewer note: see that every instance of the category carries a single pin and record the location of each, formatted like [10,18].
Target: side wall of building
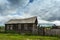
[18,28]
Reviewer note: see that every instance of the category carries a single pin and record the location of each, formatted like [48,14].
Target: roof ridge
[25,20]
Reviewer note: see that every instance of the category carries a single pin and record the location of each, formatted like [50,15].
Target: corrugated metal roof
[26,20]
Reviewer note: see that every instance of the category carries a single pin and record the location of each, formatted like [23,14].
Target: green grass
[8,36]
[4,36]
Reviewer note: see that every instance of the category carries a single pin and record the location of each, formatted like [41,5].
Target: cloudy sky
[47,11]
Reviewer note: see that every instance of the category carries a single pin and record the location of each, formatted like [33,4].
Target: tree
[54,26]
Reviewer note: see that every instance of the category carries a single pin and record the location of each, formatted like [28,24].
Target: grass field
[10,36]
[4,36]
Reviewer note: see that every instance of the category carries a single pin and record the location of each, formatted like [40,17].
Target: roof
[25,20]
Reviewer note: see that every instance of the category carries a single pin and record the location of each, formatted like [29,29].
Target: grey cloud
[14,1]
[46,10]
[2,9]
[18,3]
[12,5]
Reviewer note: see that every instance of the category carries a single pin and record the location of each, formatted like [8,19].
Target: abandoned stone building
[22,25]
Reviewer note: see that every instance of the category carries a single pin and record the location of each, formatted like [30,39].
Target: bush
[10,31]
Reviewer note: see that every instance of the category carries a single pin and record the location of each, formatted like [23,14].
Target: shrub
[10,31]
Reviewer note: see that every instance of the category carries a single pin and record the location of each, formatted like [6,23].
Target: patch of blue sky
[30,1]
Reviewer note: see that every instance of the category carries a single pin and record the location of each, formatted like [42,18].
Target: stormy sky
[47,11]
